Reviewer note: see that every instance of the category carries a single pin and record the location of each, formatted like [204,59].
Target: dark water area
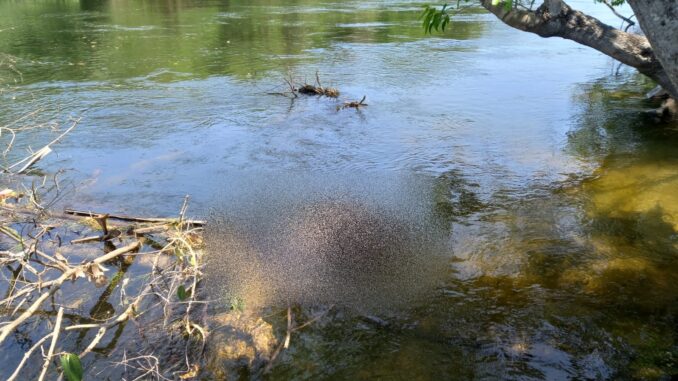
[556,196]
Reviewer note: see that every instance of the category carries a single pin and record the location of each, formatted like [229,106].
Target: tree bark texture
[554,18]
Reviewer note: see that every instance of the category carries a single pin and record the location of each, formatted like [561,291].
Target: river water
[559,198]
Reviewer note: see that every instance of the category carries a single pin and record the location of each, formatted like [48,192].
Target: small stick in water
[288,336]
[55,337]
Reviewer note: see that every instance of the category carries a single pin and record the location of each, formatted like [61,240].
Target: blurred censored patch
[367,243]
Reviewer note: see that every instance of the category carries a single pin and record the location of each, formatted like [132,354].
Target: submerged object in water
[333,250]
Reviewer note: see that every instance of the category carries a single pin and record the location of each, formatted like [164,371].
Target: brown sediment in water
[238,341]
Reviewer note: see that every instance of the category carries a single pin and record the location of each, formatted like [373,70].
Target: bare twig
[95,341]
[353,104]
[288,335]
[285,344]
[27,355]
[41,153]
[132,218]
[55,337]
[184,207]
[7,329]
[624,18]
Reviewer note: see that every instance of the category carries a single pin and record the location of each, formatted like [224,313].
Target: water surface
[557,194]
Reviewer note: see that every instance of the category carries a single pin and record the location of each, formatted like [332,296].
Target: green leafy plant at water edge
[72,367]
[181,293]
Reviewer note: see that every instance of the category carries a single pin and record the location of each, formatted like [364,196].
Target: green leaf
[72,366]
[508,5]
[427,19]
[181,293]
[434,18]
[445,22]
[424,12]
[436,22]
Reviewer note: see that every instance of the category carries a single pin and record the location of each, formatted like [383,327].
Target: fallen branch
[317,90]
[7,329]
[307,88]
[353,104]
[83,213]
[42,152]
[55,337]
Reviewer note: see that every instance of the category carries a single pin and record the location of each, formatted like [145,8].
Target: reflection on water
[558,196]
[102,40]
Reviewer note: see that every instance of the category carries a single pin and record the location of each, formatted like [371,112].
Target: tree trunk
[554,18]
[659,21]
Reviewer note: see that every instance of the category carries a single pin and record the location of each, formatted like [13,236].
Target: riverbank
[75,280]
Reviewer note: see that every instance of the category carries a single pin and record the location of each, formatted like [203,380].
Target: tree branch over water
[555,18]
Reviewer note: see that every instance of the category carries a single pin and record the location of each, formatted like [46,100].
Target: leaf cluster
[72,367]
[438,18]
[434,18]
[614,3]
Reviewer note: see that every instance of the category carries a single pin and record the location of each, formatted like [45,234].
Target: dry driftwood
[169,278]
[40,154]
[318,90]
[307,89]
[84,213]
[54,286]
[353,104]
[34,277]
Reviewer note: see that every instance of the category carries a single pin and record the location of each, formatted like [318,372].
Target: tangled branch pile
[148,269]
[114,295]
[307,89]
